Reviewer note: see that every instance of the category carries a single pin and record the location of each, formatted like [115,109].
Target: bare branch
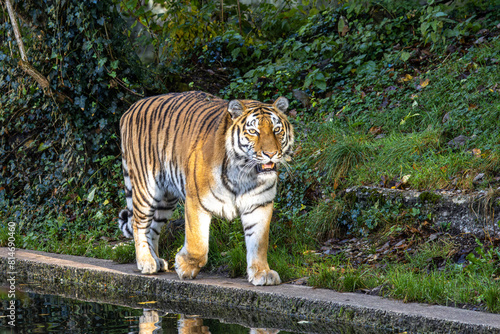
[31,71]
[17,33]
[25,65]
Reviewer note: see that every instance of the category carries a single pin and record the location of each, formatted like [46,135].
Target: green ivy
[54,153]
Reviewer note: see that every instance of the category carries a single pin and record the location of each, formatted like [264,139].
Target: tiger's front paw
[149,264]
[264,277]
[188,267]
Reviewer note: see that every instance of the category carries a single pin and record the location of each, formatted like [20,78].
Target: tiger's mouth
[267,167]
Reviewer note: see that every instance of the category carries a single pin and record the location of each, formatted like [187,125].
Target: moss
[374,196]
[350,198]
[429,197]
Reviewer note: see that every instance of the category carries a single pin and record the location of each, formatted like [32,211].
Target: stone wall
[475,212]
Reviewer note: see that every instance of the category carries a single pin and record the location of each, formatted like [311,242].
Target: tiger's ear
[281,104]
[235,108]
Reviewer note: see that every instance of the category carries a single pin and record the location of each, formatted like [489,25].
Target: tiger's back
[163,130]
[219,156]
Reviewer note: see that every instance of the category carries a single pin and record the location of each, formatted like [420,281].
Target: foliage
[417,279]
[123,253]
[55,154]
[343,278]
[453,284]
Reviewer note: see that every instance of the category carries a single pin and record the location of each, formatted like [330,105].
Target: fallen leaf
[375,130]
[476,152]
[407,77]
[424,83]
[148,302]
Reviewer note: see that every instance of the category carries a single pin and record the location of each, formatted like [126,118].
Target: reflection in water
[45,311]
[54,314]
[190,324]
[149,323]
[263,331]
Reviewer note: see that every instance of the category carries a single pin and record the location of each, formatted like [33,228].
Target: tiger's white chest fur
[240,193]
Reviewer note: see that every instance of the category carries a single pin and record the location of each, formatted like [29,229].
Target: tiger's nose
[269,154]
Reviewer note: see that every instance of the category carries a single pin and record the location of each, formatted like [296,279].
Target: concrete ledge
[211,296]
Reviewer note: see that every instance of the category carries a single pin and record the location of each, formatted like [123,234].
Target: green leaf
[423,28]
[320,81]
[90,197]
[43,146]
[405,56]
[235,53]
[102,61]
[440,14]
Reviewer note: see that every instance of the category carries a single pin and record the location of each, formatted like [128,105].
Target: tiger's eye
[277,129]
[252,131]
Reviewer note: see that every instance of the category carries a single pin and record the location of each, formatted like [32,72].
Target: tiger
[219,157]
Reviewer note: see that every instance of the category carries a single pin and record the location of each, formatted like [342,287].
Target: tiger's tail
[125,223]
[125,216]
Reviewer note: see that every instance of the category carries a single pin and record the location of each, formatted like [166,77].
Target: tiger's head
[261,135]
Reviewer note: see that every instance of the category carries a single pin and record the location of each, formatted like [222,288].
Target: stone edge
[176,291]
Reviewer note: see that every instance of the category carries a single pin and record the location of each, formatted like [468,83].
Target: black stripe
[165,208]
[267,188]
[196,184]
[225,179]
[216,197]
[246,228]
[256,207]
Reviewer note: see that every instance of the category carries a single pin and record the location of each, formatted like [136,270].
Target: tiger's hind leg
[163,211]
[125,216]
[151,211]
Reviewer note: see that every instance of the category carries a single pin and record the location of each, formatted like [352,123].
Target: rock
[480,40]
[302,97]
[466,212]
[446,117]
[479,177]
[301,281]
[434,236]
[458,141]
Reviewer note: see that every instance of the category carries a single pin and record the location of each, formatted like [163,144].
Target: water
[41,312]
